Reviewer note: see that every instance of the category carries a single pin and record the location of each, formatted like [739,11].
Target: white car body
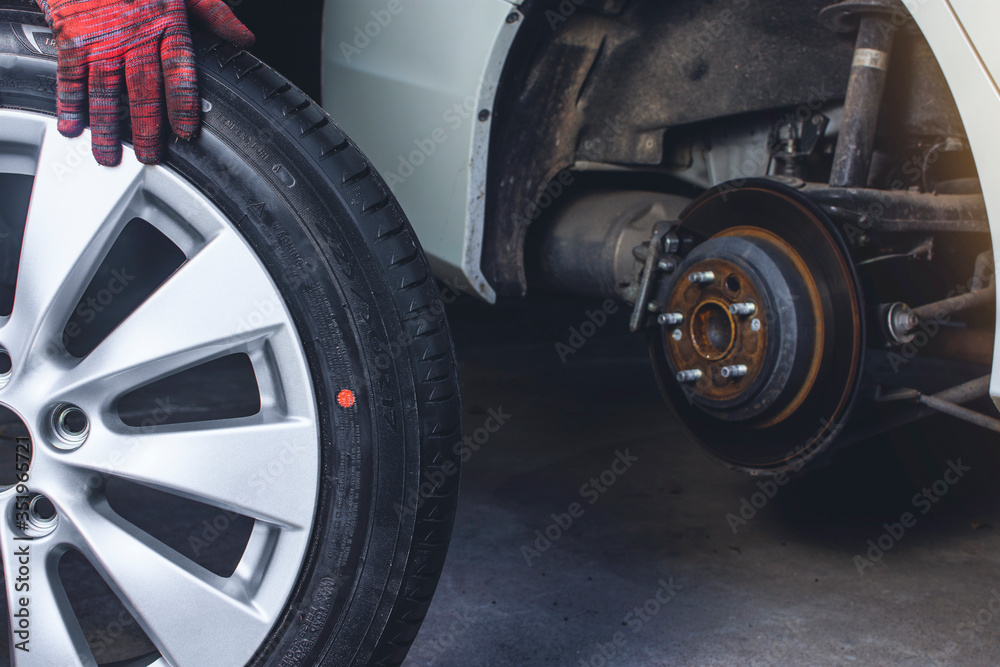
[400,73]
[412,78]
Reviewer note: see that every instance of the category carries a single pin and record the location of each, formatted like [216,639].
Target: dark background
[288,38]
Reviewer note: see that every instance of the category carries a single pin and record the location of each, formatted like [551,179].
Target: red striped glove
[146,44]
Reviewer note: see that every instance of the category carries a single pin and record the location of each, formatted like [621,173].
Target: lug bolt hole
[41,510]
[5,367]
[71,425]
[732,284]
[38,518]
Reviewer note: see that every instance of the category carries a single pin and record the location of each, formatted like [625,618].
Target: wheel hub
[749,311]
[761,334]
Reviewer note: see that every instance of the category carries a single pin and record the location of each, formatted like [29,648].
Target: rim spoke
[74,216]
[55,637]
[170,596]
[200,313]
[245,466]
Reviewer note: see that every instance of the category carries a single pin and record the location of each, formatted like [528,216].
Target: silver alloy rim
[220,301]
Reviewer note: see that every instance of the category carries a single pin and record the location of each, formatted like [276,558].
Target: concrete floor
[785,589]
[650,572]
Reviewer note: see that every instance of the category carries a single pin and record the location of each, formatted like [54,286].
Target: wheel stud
[671,319]
[733,372]
[755,324]
[70,425]
[689,376]
[677,334]
[748,308]
[702,277]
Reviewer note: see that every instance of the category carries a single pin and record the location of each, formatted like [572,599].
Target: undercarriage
[811,264]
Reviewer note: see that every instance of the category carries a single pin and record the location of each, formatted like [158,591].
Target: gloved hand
[147,44]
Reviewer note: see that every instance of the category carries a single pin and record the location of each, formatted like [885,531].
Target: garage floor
[591,531]
[650,572]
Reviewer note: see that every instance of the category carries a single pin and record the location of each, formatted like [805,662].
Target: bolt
[902,323]
[733,372]
[671,243]
[702,277]
[905,320]
[671,319]
[668,265]
[755,324]
[689,376]
[677,334]
[748,308]
[652,306]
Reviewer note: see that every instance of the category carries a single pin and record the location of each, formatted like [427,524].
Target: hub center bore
[713,331]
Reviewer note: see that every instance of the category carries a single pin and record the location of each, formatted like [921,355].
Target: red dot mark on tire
[345,398]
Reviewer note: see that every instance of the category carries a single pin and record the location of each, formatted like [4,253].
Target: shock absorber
[853,157]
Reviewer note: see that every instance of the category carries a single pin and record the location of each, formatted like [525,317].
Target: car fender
[414,84]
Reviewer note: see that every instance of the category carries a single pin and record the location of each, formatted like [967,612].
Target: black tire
[368,312]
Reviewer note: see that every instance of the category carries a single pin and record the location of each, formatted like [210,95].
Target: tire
[366,317]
